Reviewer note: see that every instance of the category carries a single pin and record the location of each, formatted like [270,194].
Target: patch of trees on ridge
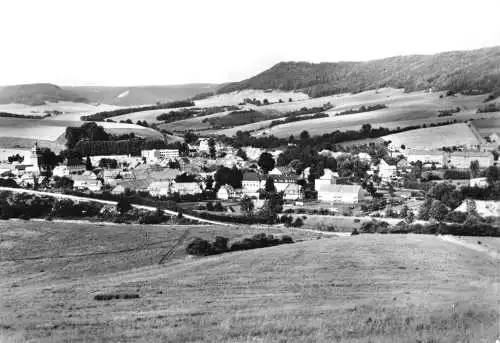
[101,116]
[237,118]
[362,109]
[22,116]
[92,139]
[188,113]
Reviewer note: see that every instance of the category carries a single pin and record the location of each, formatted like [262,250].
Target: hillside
[37,94]
[142,95]
[457,71]
[402,288]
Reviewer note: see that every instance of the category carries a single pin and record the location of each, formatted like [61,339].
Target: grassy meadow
[366,288]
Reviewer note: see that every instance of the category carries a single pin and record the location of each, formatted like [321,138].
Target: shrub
[355,232]
[107,297]
[220,245]
[298,222]
[199,247]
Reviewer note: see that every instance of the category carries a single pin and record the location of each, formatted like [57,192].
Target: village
[213,176]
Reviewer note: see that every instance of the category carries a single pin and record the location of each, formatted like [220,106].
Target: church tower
[35,157]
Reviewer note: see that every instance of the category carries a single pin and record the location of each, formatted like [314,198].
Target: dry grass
[345,289]
[435,137]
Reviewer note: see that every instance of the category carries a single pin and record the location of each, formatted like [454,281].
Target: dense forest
[460,71]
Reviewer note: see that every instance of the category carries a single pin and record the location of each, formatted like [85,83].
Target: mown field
[377,288]
[404,109]
[435,137]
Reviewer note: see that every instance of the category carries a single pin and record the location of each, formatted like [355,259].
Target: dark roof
[251,176]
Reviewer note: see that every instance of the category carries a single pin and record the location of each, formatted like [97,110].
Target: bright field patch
[435,137]
[377,288]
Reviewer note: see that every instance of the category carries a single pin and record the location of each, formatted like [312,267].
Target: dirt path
[456,240]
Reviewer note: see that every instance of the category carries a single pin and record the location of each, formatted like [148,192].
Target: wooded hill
[475,71]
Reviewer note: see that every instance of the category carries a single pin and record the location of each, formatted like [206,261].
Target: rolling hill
[37,94]
[366,288]
[142,95]
[475,70]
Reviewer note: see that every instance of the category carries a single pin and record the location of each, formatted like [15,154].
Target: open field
[235,98]
[435,137]
[488,126]
[70,110]
[378,288]
[22,133]
[404,109]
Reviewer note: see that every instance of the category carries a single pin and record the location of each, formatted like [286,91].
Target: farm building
[463,159]
[425,156]
[347,194]
[226,192]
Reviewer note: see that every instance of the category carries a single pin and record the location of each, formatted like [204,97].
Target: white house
[347,194]
[425,156]
[225,192]
[293,191]
[363,156]
[184,188]
[61,171]
[83,183]
[478,182]
[328,178]
[386,171]
[251,184]
[160,188]
[156,155]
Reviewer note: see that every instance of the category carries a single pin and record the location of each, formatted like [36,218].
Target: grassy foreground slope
[376,288]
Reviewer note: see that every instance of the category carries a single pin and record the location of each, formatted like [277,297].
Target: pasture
[69,110]
[435,137]
[488,126]
[378,288]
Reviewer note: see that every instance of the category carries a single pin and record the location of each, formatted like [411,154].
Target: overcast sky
[146,42]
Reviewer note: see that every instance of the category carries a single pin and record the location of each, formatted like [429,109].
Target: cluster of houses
[154,173]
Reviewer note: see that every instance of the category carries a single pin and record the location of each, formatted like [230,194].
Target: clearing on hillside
[378,288]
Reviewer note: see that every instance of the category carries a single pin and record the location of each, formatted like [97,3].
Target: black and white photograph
[234,171]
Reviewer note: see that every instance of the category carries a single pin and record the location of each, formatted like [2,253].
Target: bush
[355,232]
[374,226]
[107,297]
[298,222]
[199,247]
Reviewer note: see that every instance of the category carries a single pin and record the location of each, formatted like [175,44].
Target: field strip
[139,247]
[458,241]
[107,202]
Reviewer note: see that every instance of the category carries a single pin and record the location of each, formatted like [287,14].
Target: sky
[149,42]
